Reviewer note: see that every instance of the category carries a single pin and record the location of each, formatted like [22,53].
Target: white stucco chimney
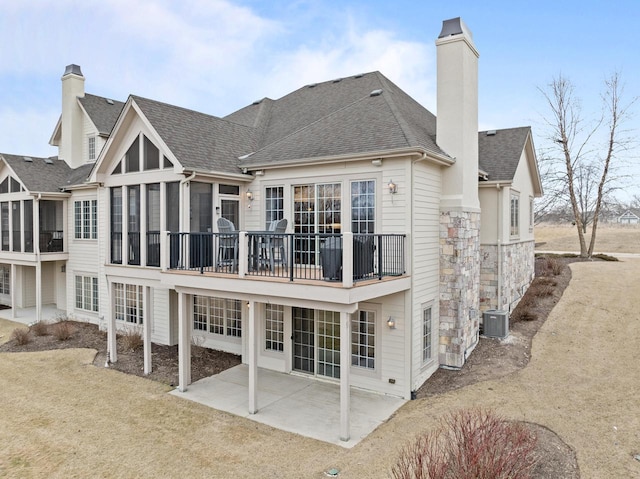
[71,142]
[457,116]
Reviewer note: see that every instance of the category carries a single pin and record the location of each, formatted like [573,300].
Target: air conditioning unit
[496,323]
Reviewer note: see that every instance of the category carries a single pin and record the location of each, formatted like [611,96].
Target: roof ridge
[406,130]
[309,125]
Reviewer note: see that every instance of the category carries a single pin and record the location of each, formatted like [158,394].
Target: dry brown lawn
[63,417]
[609,238]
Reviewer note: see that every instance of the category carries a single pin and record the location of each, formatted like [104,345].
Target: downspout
[37,241]
[499,245]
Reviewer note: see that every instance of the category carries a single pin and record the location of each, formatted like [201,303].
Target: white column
[253,359]
[13,291]
[143,224]
[345,381]
[243,255]
[112,346]
[184,344]
[38,291]
[146,328]
[347,260]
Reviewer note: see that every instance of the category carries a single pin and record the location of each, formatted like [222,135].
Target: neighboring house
[383,269]
[630,217]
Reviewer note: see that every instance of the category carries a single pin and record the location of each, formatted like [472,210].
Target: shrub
[605,257]
[470,444]
[552,266]
[545,280]
[540,288]
[40,328]
[21,336]
[132,340]
[62,330]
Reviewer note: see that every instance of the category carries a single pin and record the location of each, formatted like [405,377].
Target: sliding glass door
[317,210]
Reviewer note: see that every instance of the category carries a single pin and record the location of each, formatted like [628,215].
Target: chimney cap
[72,69]
[454,26]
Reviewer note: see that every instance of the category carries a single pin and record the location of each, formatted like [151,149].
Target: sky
[216,56]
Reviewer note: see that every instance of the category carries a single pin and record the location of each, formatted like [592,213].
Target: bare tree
[577,168]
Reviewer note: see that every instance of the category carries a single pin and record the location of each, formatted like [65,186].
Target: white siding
[426,264]
[84,258]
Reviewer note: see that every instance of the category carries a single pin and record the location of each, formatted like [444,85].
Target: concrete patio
[28,315]
[293,403]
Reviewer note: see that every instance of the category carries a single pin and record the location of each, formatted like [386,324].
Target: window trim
[514,214]
[91,147]
[228,319]
[425,361]
[85,228]
[94,293]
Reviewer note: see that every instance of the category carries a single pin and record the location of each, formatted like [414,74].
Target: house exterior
[629,217]
[400,229]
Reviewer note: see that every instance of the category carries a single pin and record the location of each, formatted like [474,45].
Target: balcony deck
[340,268]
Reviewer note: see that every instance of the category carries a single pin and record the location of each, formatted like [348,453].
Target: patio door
[316,210]
[303,340]
[316,342]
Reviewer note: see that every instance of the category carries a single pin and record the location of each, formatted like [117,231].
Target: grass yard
[609,238]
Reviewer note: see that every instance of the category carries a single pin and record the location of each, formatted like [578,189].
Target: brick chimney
[457,123]
[71,143]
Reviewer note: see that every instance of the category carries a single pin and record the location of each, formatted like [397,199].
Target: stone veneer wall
[518,270]
[459,285]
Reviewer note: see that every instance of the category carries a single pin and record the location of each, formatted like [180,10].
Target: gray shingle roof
[102,111]
[38,176]
[199,142]
[499,154]
[339,117]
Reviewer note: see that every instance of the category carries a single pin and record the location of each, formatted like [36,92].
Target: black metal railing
[51,241]
[153,248]
[204,252]
[292,256]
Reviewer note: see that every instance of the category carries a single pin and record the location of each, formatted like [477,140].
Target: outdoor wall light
[249,195]
[393,188]
[391,323]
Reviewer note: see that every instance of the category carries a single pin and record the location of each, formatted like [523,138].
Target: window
[274,204]
[328,343]
[4,224]
[153,224]
[87,293]
[217,315]
[426,334]
[132,157]
[116,225]
[274,327]
[128,303]
[92,148]
[14,185]
[363,335]
[151,155]
[229,190]
[86,221]
[4,186]
[363,202]
[515,215]
[5,279]
[167,162]
[15,220]
[28,226]
[133,234]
